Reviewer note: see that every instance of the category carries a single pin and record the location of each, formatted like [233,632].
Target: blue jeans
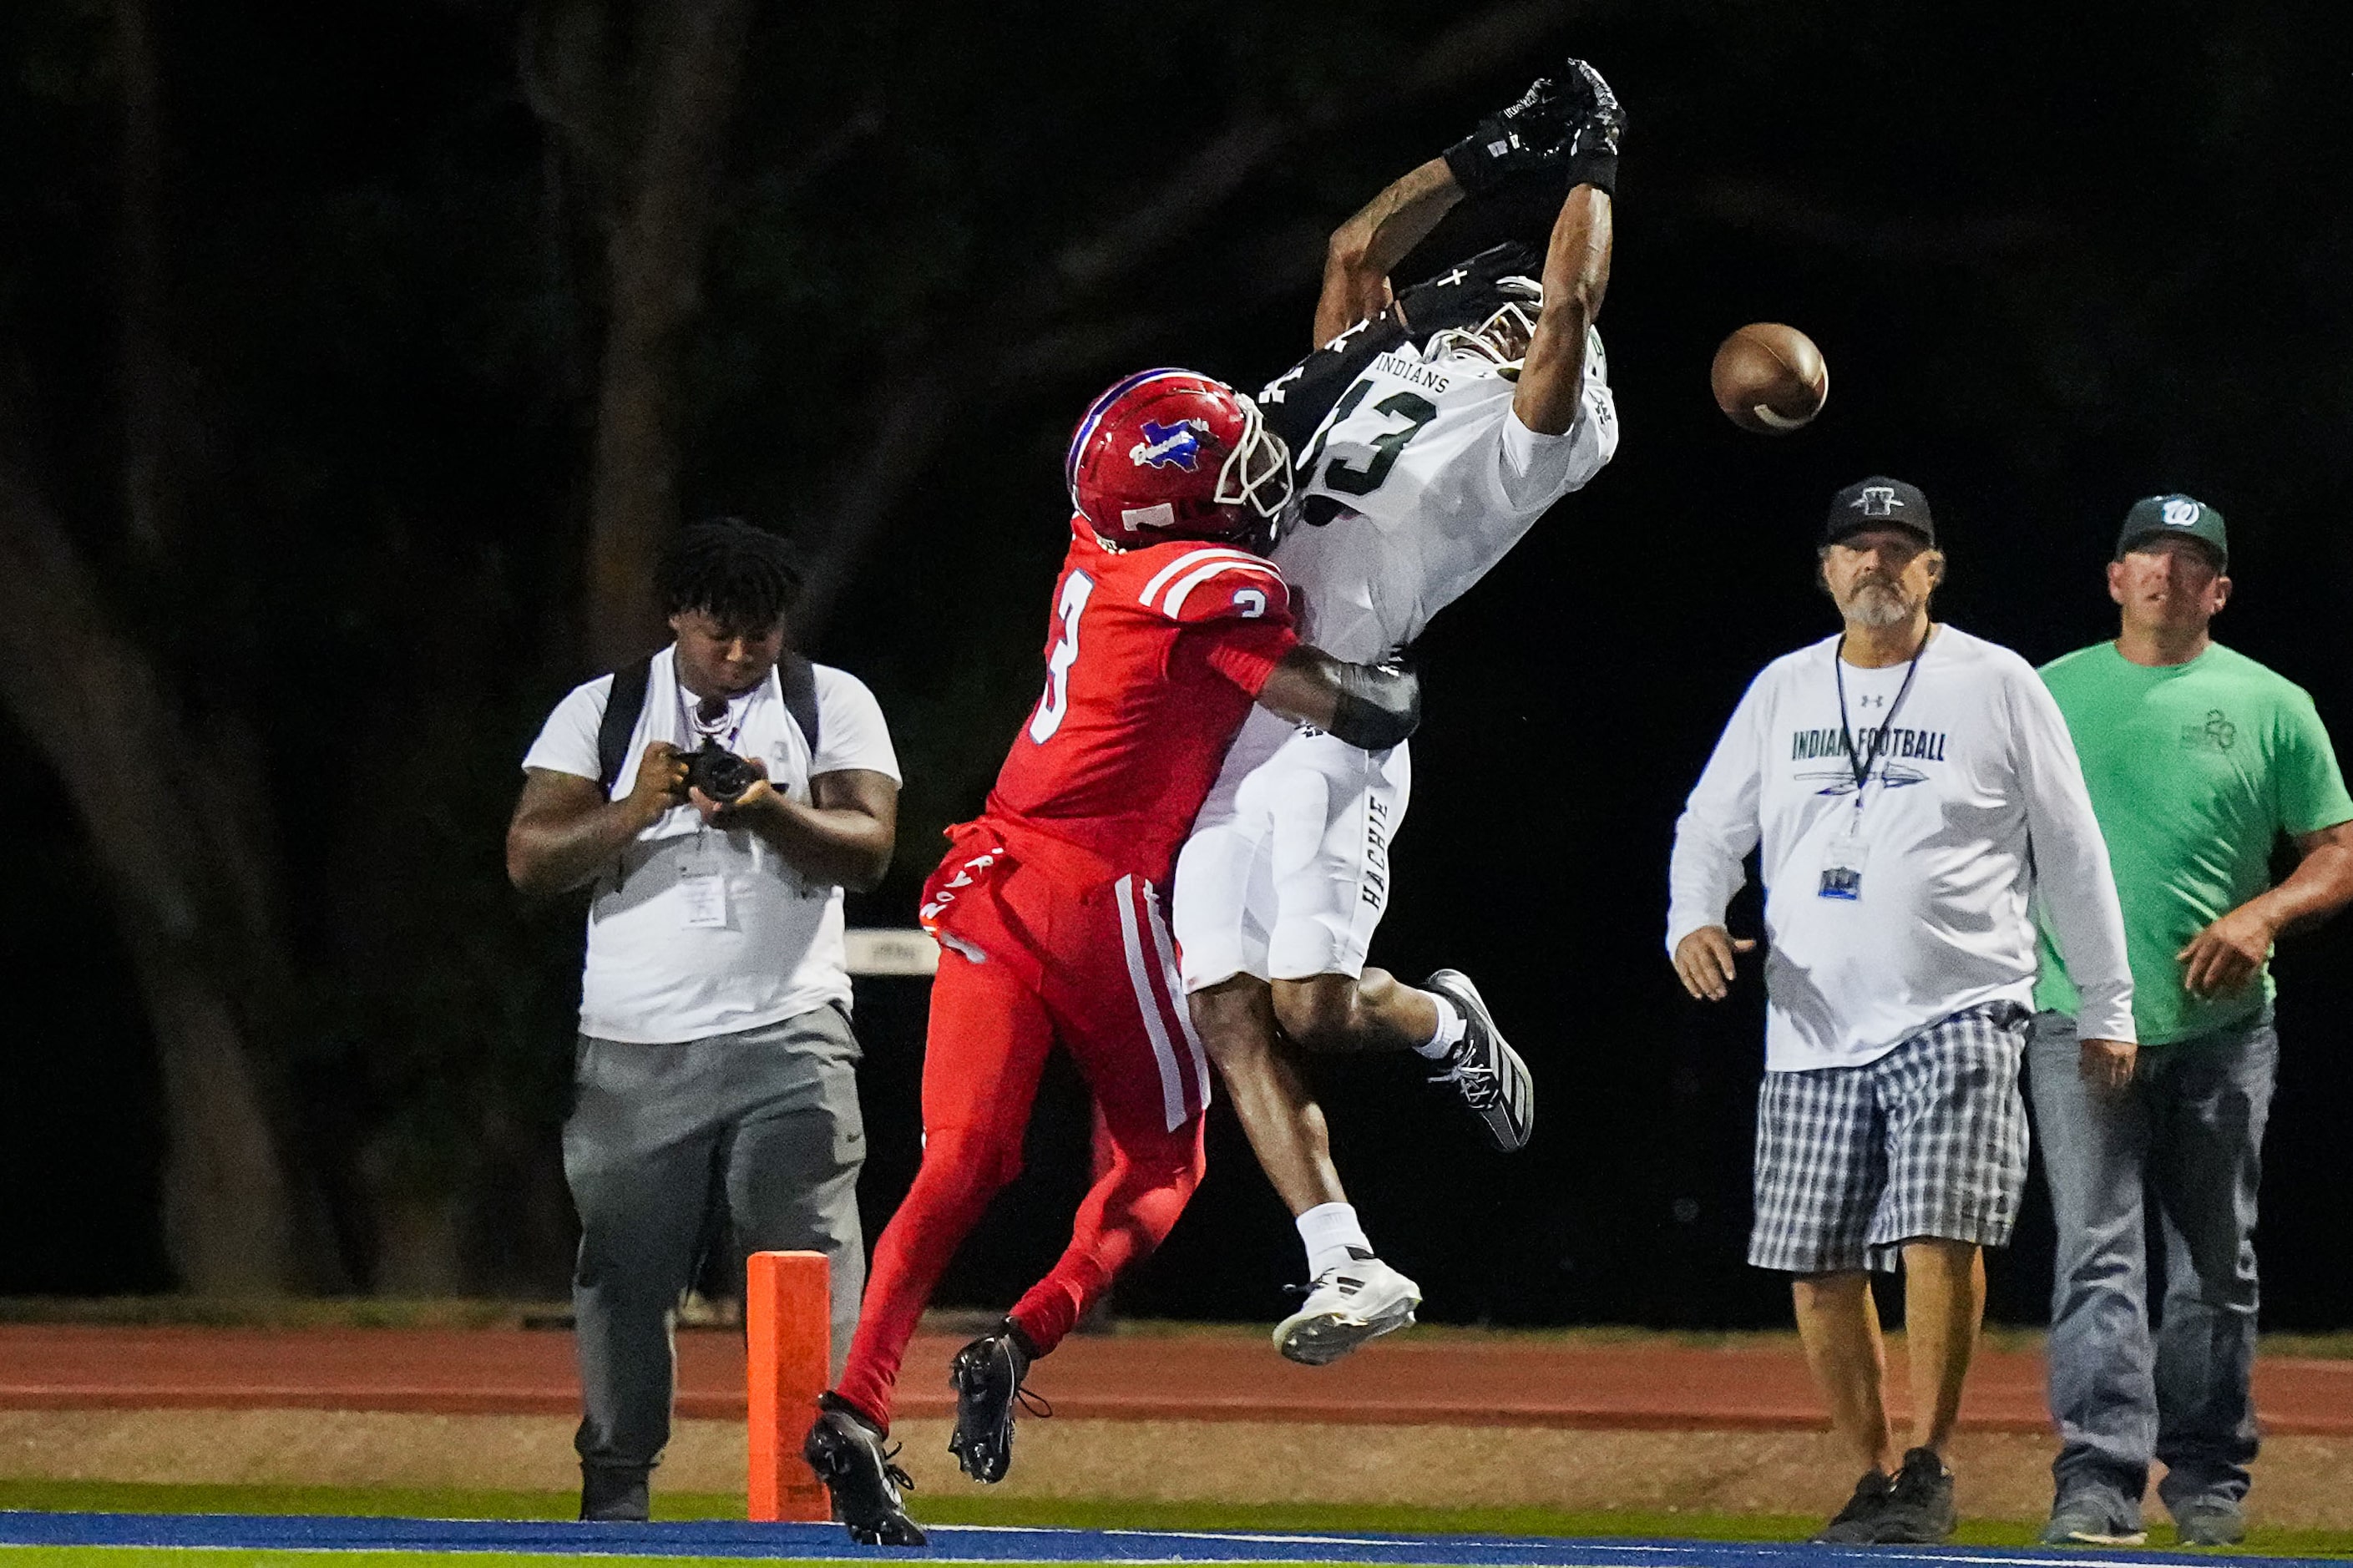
[2188,1131]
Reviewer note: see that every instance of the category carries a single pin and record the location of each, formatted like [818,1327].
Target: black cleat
[846,1451]
[987,1376]
[1856,1524]
[1485,1072]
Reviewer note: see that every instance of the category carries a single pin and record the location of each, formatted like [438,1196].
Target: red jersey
[1153,659]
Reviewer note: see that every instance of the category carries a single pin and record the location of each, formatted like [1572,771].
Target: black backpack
[627,700]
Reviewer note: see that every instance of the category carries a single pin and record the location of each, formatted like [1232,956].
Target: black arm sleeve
[1379,705]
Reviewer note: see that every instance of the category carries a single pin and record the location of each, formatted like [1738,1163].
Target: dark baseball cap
[1878,503]
[2176,514]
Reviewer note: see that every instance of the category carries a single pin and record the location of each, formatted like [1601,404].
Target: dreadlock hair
[745,578]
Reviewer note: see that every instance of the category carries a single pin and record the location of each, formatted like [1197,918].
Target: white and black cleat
[1492,1080]
[846,1451]
[1349,1303]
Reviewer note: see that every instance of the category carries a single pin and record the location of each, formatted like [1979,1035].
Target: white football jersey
[1435,479]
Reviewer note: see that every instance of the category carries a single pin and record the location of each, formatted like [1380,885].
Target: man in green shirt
[2198,759]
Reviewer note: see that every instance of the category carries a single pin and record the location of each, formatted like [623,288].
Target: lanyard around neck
[1860,765]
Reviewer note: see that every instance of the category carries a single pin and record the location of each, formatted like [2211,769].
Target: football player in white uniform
[1432,430]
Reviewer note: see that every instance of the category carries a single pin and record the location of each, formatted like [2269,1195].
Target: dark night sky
[2057,257]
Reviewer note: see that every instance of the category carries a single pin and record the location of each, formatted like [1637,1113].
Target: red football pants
[1093,966]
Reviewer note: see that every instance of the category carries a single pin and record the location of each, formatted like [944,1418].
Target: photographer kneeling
[720,797]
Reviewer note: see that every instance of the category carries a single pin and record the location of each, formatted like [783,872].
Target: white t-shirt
[1438,479]
[673,956]
[1882,919]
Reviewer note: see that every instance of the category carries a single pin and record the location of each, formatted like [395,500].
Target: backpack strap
[798,677]
[623,704]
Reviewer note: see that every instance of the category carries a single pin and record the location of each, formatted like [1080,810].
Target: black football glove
[1571,126]
[1601,127]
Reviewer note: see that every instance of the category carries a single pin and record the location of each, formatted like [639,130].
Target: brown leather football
[1770,378]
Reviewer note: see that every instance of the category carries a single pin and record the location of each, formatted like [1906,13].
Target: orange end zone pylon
[788,1334]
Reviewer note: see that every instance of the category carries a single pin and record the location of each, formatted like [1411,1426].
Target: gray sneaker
[2209,1521]
[2087,1521]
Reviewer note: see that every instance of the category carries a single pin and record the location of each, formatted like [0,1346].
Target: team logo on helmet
[1170,446]
[2180,512]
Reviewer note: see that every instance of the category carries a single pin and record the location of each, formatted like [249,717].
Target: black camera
[719,773]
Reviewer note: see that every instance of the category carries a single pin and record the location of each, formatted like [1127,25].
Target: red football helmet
[1167,454]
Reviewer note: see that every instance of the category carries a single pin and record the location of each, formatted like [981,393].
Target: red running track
[1214,1376]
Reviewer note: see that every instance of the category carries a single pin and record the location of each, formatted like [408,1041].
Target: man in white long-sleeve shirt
[1909,787]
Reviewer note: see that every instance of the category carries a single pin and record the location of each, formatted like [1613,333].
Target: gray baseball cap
[2181,514]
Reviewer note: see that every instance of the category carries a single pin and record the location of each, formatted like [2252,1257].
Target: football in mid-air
[1770,378]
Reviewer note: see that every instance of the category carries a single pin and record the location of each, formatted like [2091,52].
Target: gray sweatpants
[765,1122]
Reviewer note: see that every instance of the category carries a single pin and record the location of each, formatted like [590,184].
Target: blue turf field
[966,1544]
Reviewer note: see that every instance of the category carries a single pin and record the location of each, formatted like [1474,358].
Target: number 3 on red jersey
[1248,603]
[1056,702]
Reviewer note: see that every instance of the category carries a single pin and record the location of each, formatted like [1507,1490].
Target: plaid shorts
[1928,1141]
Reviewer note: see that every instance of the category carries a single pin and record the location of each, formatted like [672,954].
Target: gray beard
[1878,605]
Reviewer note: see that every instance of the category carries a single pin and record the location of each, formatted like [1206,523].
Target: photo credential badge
[702,889]
[1843,863]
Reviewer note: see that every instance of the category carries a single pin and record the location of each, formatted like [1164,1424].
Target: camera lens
[721,775]
[729,778]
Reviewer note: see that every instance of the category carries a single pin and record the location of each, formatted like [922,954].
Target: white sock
[1329,1230]
[1450,1030]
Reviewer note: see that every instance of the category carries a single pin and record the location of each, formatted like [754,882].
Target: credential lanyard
[1860,764]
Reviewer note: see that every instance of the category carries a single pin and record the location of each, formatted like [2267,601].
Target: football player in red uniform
[1167,626]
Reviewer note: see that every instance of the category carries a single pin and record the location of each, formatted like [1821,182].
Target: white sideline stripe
[1161,945]
[1172,1091]
[1174,603]
[1190,557]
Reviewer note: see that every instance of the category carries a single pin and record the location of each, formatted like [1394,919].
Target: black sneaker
[1485,1072]
[1919,1511]
[987,1376]
[1854,1524]
[846,1451]
[610,1495]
